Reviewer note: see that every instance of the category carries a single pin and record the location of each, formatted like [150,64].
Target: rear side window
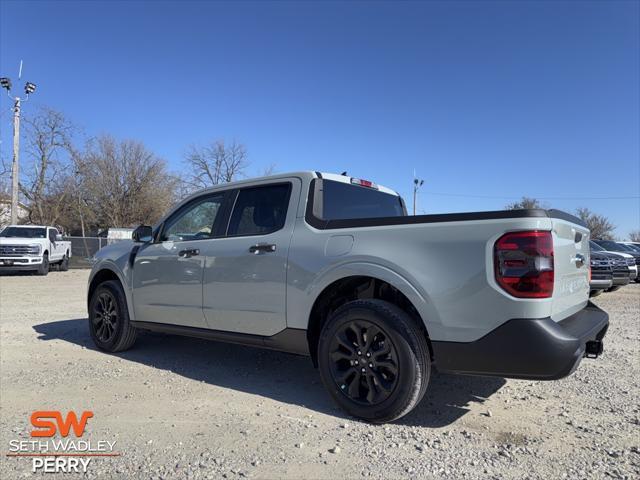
[260,210]
[344,201]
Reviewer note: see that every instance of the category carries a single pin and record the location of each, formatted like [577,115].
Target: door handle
[189,252]
[262,248]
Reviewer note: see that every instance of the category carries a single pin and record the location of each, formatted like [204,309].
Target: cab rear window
[342,201]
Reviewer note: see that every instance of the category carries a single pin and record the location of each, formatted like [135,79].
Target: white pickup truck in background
[33,247]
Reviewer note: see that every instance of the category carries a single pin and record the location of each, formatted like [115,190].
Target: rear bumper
[537,349]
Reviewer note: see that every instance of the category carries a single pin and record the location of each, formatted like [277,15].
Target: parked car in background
[33,248]
[621,272]
[332,267]
[633,258]
[114,234]
[601,273]
[634,245]
[621,266]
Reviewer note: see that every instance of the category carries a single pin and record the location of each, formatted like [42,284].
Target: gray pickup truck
[332,267]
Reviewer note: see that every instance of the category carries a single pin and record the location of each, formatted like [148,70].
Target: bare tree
[600,226]
[268,170]
[634,236]
[124,184]
[215,163]
[524,203]
[45,183]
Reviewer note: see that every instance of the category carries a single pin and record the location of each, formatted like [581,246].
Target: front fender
[123,276]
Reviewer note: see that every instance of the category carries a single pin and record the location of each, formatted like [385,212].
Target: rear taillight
[524,264]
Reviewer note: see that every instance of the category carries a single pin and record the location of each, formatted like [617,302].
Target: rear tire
[109,323]
[374,360]
[64,264]
[43,269]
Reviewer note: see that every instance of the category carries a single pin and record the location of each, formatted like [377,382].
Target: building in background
[5,211]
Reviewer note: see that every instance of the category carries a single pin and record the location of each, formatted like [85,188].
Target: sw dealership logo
[57,445]
[45,427]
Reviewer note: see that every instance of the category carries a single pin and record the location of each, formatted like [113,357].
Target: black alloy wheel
[374,359]
[105,317]
[109,323]
[364,362]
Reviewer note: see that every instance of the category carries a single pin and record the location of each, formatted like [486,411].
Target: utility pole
[417,183]
[15,166]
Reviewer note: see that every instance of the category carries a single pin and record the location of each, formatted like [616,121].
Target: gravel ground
[186,408]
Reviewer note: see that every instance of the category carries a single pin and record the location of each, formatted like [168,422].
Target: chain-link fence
[84,248]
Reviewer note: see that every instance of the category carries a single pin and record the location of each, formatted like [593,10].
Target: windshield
[595,247]
[612,246]
[24,232]
[635,248]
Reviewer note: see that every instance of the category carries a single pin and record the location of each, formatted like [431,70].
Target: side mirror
[142,234]
[58,238]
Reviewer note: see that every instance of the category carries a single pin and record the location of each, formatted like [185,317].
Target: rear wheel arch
[357,287]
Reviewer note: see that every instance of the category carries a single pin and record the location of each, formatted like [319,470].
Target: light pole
[417,183]
[29,88]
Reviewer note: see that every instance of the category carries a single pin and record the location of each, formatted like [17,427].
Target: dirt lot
[185,408]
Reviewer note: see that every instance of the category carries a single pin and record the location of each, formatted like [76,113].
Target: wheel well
[100,277]
[356,288]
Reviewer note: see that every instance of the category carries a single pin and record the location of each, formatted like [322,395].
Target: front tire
[374,360]
[43,269]
[109,323]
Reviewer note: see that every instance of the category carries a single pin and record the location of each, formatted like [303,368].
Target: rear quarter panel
[445,269]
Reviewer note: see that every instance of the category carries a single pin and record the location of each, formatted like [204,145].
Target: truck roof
[350,180]
[303,174]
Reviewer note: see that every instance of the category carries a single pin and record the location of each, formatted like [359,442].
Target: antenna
[20,71]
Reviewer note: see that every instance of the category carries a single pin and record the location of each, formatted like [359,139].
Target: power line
[630,197]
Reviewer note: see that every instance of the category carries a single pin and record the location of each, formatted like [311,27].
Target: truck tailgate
[571,268]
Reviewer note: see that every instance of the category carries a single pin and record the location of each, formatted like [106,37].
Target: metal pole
[415,190]
[15,169]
